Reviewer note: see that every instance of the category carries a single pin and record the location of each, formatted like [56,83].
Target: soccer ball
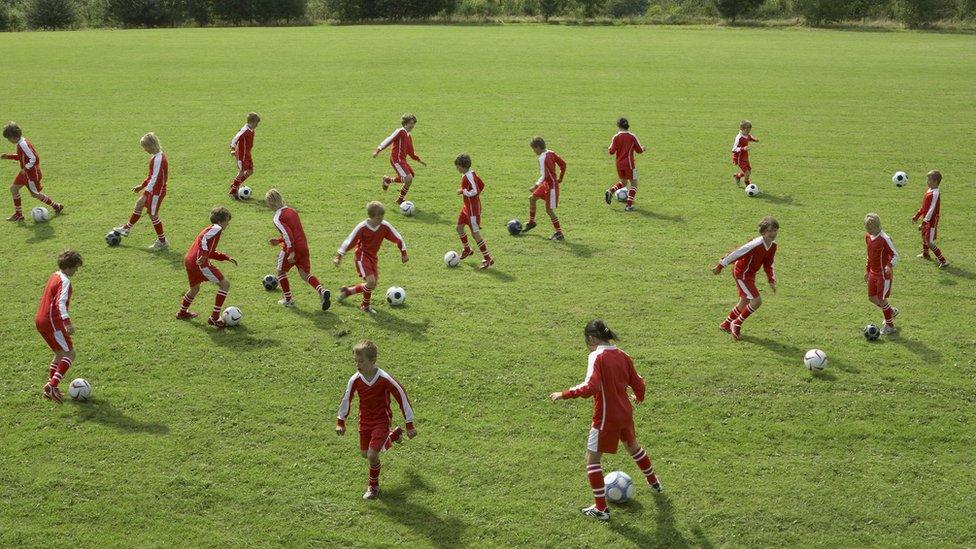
[396,296]
[514,227]
[244,193]
[622,194]
[815,360]
[232,316]
[113,238]
[79,389]
[40,214]
[752,189]
[407,208]
[899,179]
[451,259]
[620,487]
[270,282]
[871,332]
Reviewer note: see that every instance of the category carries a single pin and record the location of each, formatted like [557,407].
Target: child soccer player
[294,250]
[608,374]
[402,148]
[54,324]
[367,238]
[374,387]
[882,256]
[199,270]
[547,187]
[929,212]
[740,152]
[240,148]
[153,191]
[30,171]
[470,191]
[624,145]
[758,252]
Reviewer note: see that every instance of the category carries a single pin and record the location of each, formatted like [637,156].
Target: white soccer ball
[815,360]
[620,487]
[244,193]
[899,179]
[407,208]
[40,214]
[752,189]
[622,194]
[451,259]
[232,316]
[396,296]
[80,389]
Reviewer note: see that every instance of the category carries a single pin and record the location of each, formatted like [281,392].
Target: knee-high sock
[133,219]
[615,187]
[632,194]
[888,314]
[52,369]
[464,241]
[314,282]
[555,224]
[733,315]
[744,314]
[367,295]
[532,213]
[187,301]
[643,462]
[218,304]
[17,207]
[357,289]
[285,286]
[483,246]
[938,253]
[63,366]
[374,476]
[158,226]
[403,193]
[594,473]
[46,199]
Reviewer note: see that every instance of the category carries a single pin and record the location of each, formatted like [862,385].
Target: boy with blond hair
[240,149]
[30,171]
[153,190]
[367,237]
[748,259]
[294,250]
[402,148]
[882,256]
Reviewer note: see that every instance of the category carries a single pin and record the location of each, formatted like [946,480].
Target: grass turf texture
[204,437]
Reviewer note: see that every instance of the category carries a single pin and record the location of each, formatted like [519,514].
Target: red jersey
[624,145]
[205,245]
[929,211]
[367,239]
[881,254]
[243,142]
[374,399]
[52,312]
[155,182]
[608,374]
[402,146]
[750,257]
[548,161]
[471,187]
[29,160]
[739,152]
[290,227]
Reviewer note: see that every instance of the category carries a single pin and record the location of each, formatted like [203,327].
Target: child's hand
[460,191]
[376,152]
[70,328]
[422,163]
[337,260]
[887,271]
[633,399]
[772,286]
[553,397]
[291,257]
[403,256]
[201,261]
[717,269]
[137,188]
[5,156]
[865,276]
[232,260]
[411,433]
[533,188]
[340,431]
[273,242]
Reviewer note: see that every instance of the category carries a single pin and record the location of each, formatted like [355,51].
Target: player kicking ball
[367,237]
[547,187]
[882,257]
[200,270]
[30,171]
[608,374]
[470,215]
[294,250]
[402,147]
[374,387]
[624,145]
[153,190]
[758,252]
[54,324]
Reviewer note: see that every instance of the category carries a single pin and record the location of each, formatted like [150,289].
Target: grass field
[199,437]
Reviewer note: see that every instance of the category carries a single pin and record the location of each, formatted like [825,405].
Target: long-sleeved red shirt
[205,245]
[374,400]
[929,210]
[624,145]
[750,257]
[609,372]
[402,146]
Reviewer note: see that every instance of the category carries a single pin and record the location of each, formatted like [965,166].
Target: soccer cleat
[888,329]
[486,263]
[53,393]
[342,295]
[398,201]
[159,245]
[286,302]
[737,179]
[185,315]
[528,226]
[924,256]
[367,309]
[326,300]
[943,264]
[372,493]
[466,252]
[121,230]
[592,511]
[16,217]
[657,486]
[628,208]
[736,331]
[558,235]
[217,322]
[396,435]
[725,326]
[386,182]
[58,207]
[606,196]
[234,196]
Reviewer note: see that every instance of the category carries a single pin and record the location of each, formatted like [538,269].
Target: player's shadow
[660,216]
[666,533]
[578,249]
[236,337]
[431,218]
[41,232]
[102,411]
[323,320]
[400,504]
[925,353]
[492,272]
[781,349]
[960,272]
[778,200]
[174,258]
[389,321]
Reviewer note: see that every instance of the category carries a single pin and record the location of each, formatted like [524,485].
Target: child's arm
[638,148]
[586,389]
[770,273]
[636,383]
[64,296]
[612,149]
[237,137]
[732,257]
[562,166]
[401,397]
[11,156]
[344,406]
[468,181]
[31,158]
[349,241]
[386,142]
[393,236]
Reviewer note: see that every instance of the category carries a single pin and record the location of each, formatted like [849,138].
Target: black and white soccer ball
[752,189]
[622,194]
[270,282]
[232,316]
[514,227]
[113,238]
[815,360]
[871,332]
[619,486]
[396,295]
[40,214]
[244,193]
[899,179]
[80,389]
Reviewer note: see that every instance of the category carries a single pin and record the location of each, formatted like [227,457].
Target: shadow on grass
[841,365]
[42,231]
[431,218]
[323,320]
[102,411]
[924,352]
[576,248]
[235,336]
[960,272]
[782,349]
[399,503]
[665,535]
[492,272]
[174,258]
[389,321]
[661,216]
[775,199]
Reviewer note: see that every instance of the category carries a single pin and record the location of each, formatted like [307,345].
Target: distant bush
[147,13]
[734,9]
[52,14]
[818,12]
[920,13]
[627,8]
[259,11]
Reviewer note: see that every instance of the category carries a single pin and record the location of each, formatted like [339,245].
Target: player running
[929,213]
[609,372]
[153,190]
[402,148]
[624,145]
[882,256]
[740,152]
[54,324]
[294,250]
[240,149]
[30,171]
[470,216]
[367,237]
[199,270]
[547,187]
[758,252]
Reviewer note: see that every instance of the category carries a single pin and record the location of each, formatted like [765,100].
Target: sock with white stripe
[374,476]
[744,314]
[314,282]
[158,225]
[594,473]
[218,304]
[285,286]
[133,219]
[632,194]
[62,369]
[187,301]
[643,462]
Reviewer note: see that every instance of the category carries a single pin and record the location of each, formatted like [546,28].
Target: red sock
[733,315]
[483,246]
[739,175]
[632,194]
[397,179]
[594,473]
[643,462]
[187,301]
[218,304]
[62,369]
[133,219]
[464,241]
[555,223]
[615,187]
[744,314]
[314,282]
[357,289]
[52,369]
[158,225]
[532,213]
[938,254]
[374,476]
[17,205]
[403,193]
[367,295]
[888,315]
[46,199]
[747,181]
[285,286]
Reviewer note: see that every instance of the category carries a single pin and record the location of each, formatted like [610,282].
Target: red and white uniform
[242,144]
[30,165]
[609,372]
[375,415]
[204,246]
[402,148]
[740,155]
[547,187]
[292,240]
[748,259]
[929,213]
[52,318]
[367,240]
[154,187]
[881,257]
[471,187]
[624,145]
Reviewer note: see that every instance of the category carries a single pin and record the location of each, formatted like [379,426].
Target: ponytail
[598,328]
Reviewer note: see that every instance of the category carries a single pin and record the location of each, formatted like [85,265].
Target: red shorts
[473,221]
[607,439]
[402,169]
[366,266]
[878,287]
[746,286]
[154,201]
[199,275]
[929,233]
[373,436]
[245,163]
[548,192]
[57,340]
[32,182]
[302,261]
[626,174]
[743,164]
